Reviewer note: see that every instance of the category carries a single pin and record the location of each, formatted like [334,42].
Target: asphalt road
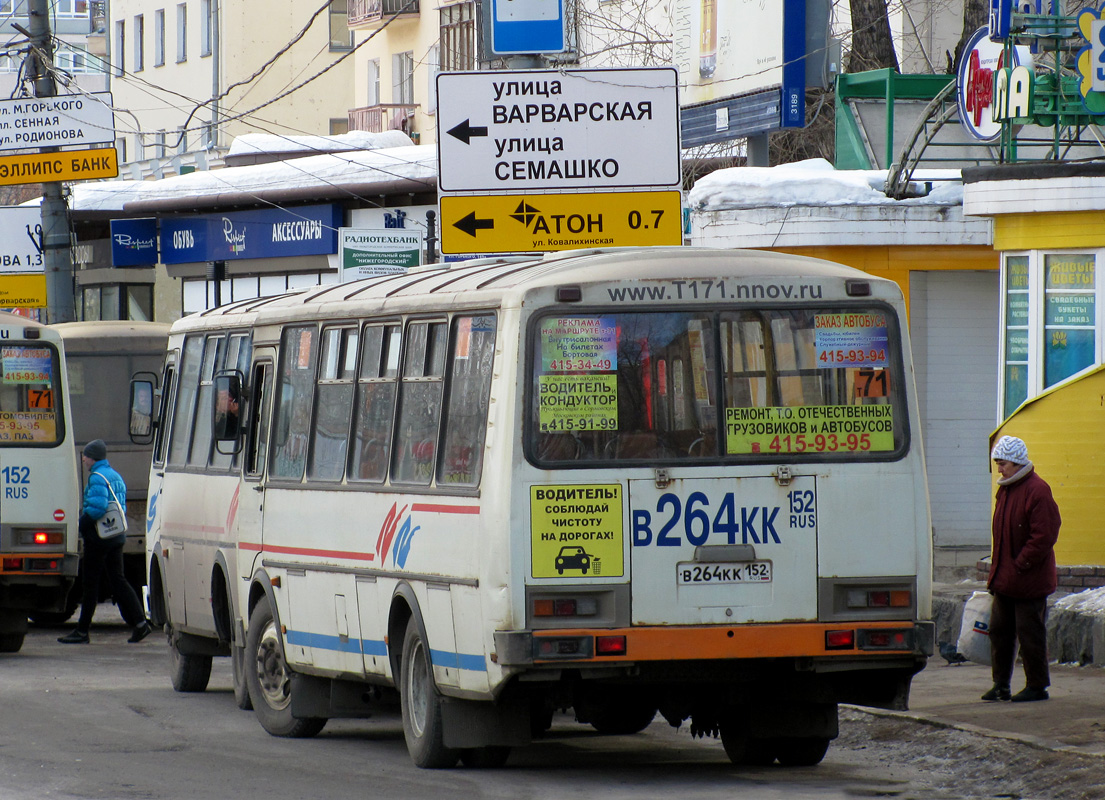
[102,721]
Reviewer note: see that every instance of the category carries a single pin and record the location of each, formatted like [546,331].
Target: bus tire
[189,673]
[421,705]
[745,751]
[238,670]
[490,757]
[805,751]
[269,680]
[11,642]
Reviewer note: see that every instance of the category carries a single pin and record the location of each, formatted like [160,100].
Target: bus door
[251,498]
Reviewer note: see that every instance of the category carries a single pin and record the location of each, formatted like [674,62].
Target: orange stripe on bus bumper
[791,640]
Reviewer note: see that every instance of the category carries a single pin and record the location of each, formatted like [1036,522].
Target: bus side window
[236,358]
[258,441]
[293,402]
[419,403]
[201,436]
[375,403]
[185,408]
[333,403]
[164,415]
[469,395]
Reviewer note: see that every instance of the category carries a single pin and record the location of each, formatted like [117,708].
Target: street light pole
[57,252]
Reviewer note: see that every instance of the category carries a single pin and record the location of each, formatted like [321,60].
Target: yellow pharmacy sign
[62,166]
[23,291]
[545,222]
[576,531]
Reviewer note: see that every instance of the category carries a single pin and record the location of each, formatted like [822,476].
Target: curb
[1036,742]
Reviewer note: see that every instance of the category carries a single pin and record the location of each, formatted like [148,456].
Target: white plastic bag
[974,633]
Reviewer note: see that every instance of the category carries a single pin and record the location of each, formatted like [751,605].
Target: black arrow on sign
[464,131]
[470,224]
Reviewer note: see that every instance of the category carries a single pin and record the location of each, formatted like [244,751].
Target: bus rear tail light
[886,639]
[562,647]
[12,564]
[880,598]
[565,607]
[840,640]
[610,646]
[43,564]
[47,537]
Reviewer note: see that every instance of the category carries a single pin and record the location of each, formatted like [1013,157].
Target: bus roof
[490,280]
[124,336]
[7,318]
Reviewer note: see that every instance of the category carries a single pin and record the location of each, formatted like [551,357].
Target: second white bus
[676,481]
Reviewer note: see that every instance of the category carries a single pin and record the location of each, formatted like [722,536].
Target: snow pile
[814,183]
[1091,601]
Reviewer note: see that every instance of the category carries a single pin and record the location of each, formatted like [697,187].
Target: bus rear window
[743,384]
[29,395]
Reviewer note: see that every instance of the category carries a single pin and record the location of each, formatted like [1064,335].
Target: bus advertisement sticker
[576,531]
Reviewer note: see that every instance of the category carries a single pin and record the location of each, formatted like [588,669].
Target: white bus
[672,480]
[101,356]
[38,478]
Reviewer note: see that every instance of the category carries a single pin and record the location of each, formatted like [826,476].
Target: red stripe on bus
[306,551]
[437,509]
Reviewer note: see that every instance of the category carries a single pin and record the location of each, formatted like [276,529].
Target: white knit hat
[1010,448]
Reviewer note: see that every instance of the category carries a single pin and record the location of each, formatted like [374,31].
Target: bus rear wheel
[745,751]
[421,705]
[269,679]
[11,642]
[802,751]
[189,673]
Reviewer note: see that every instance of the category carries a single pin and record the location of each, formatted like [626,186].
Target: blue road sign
[527,26]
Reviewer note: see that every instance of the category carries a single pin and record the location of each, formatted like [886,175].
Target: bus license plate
[691,573]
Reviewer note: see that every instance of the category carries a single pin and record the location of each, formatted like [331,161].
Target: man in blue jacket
[103,487]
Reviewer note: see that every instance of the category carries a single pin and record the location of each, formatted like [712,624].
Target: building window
[181,32]
[159,38]
[139,43]
[205,27]
[339,125]
[1051,322]
[7,63]
[117,301]
[1016,333]
[120,48]
[181,140]
[68,8]
[159,144]
[374,82]
[1069,315]
[402,78]
[458,37]
[433,67]
[341,38]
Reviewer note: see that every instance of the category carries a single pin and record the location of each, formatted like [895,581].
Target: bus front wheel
[189,673]
[269,680]
[421,705]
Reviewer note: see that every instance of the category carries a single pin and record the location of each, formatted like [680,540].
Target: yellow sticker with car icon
[576,531]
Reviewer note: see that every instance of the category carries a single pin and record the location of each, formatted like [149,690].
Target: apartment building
[188,76]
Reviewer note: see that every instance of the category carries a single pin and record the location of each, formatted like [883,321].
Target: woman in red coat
[1022,572]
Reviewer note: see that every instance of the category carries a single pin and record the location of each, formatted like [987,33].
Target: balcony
[384,117]
[369,14]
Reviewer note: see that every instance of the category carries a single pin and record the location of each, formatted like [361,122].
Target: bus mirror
[141,411]
[228,401]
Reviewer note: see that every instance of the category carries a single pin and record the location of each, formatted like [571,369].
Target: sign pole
[57,255]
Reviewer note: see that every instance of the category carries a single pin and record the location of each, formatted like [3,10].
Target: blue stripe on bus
[444,658]
[376,647]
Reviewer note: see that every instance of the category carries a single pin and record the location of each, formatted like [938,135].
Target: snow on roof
[252,143]
[814,183]
[411,164]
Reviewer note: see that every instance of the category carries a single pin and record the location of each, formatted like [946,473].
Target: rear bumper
[875,642]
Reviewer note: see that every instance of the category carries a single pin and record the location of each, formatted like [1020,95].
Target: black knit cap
[96,450]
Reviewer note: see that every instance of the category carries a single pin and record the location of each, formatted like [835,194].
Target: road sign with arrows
[532,130]
[546,222]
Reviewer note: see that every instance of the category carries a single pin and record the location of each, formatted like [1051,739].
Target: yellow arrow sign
[68,165]
[545,222]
